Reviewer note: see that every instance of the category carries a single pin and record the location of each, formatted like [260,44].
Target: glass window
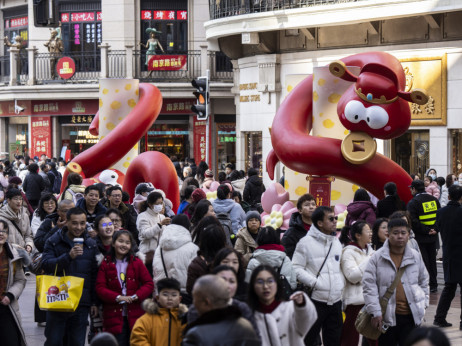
[170,139]
[253,151]
[226,144]
[411,151]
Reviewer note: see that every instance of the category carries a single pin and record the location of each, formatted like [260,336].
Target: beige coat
[16,284]
[245,244]
[18,238]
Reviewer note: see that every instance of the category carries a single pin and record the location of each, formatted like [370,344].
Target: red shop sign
[21,21]
[65,67]
[164,15]
[50,107]
[146,15]
[320,189]
[41,136]
[182,15]
[167,62]
[200,140]
[83,17]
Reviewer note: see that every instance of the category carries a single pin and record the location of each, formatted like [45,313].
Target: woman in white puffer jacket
[177,249]
[355,257]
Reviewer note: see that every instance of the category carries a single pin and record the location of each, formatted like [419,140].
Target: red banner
[146,15]
[177,106]
[320,189]
[50,107]
[65,67]
[83,17]
[164,15]
[167,62]
[21,21]
[200,140]
[41,136]
[182,15]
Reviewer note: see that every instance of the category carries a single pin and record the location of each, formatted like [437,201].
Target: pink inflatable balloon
[274,194]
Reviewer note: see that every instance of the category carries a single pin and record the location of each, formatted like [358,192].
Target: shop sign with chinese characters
[164,15]
[320,189]
[81,17]
[41,136]
[428,73]
[167,62]
[16,22]
[200,140]
[177,106]
[50,107]
[65,67]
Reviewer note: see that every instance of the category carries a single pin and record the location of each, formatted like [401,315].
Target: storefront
[75,134]
[253,151]
[225,136]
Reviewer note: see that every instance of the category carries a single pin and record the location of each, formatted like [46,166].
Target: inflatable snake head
[375,104]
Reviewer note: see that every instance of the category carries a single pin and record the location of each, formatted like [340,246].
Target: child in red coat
[123,282]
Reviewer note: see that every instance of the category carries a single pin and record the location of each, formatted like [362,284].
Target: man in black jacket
[63,255]
[422,209]
[218,323]
[448,222]
[299,224]
[33,185]
[253,190]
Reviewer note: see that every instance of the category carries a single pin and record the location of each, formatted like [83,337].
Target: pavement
[35,334]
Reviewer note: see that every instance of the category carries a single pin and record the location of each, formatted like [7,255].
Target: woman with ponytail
[355,256]
[391,202]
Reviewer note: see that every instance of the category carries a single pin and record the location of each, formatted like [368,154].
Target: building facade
[158,41]
[274,44]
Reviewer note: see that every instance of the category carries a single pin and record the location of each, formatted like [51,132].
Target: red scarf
[277,247]
[267,309]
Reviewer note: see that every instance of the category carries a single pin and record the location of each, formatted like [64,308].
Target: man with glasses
[114,201]
[316,261]
[18,221]
[52,223]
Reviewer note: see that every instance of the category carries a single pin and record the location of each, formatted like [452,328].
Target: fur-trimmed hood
[151,307]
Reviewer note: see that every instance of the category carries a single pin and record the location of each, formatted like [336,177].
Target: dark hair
[455,192]
[43,166]
[33,167]
[11,193]
[188,191]
[114,211]
[187,182]
[45,198]
[152,198]
[203,223]
[98,220]
[223,268]
[168,284]
[181,220]
[221,177]
[125,196]
[92,188]
[102,189]
[391,190]
[303,199]
[449,180]
[212,240]
[375,232]
[349,233]
[74,179]
[131,251]
[202,208]
[222,254]
[223,191]
[237,194]
[5,224]
[200,172]
[252,171]
[432,334]
[112,189]
[268,235]
[361,195]
[75,211]
[392,223]
[399,214]
[318,214]
[252,297]
[429,178]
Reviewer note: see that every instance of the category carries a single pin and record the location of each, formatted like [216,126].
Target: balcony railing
[228,8]
[108,63]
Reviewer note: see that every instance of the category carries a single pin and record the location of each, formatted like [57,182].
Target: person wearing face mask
[150,224]
[431,172]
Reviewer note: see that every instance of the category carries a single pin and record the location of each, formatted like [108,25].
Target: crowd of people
[210,273]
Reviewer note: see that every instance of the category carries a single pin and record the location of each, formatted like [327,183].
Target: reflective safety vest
[429,216]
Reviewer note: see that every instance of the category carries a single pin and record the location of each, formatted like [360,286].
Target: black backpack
[226,223]
[57,182]
[286,289]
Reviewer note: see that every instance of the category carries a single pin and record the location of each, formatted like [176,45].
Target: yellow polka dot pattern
[301,190]
[118,97]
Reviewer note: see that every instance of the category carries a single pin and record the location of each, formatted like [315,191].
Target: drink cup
[78,242]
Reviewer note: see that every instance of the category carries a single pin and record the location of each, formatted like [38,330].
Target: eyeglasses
[116,196]
[269,282]
[106,224]
[333,218]
[116,220]
[3,231]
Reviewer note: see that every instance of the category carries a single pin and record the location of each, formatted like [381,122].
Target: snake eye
[376,117]
[355,111]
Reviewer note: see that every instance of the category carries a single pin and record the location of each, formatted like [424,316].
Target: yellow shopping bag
[56,293]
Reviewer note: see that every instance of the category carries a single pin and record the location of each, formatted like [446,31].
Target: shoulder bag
[163,263]
[309,290]
[363,320]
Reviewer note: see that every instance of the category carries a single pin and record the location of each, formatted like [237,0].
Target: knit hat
[208,174]
[198,194]
[182,220]
[252,215]
[144,187]
[15,180]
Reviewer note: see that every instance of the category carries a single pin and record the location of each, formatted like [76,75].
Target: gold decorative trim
[382,100]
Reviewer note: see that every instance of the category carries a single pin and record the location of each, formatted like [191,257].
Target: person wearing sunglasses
[316,262]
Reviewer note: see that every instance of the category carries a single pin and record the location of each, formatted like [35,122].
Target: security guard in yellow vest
[422,209]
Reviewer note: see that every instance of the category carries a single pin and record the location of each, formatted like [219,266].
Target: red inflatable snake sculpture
[149,166]
[376,105]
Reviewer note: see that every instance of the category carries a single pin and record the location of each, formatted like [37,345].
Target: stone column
[31,65]
[14,55]
[129,61]
[104,60]
[204,60]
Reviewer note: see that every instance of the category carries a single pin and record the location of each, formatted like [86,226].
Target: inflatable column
[117,98]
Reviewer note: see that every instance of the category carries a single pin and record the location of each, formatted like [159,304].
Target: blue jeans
[69,325]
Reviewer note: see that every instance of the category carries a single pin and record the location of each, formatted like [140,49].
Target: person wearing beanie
[253,190]
[175,252]
[246,242]
[208,179]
